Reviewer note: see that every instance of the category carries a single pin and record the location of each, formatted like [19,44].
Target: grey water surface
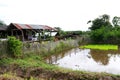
[88,60]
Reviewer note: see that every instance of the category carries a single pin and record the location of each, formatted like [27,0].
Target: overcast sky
[67,14]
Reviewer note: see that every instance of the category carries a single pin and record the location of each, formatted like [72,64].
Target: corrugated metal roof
[32,26]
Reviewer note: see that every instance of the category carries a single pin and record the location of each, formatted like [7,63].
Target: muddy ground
[42,74]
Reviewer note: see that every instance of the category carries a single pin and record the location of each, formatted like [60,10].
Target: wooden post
[22,35]
[50,33]
[12,32]
[39,37]
[44,34]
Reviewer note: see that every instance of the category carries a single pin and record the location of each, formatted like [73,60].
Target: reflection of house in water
[27,32]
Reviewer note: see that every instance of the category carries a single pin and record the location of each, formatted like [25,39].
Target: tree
[60,31]
[100,22]
[97,35]
[2,22]
[105,17]
[96,24]
[58,28]
[116,21]
[103,32]
[89,21]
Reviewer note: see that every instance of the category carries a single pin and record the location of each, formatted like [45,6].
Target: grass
[37,60]
[30,61]
[34,61]
[101,47]
[9,76]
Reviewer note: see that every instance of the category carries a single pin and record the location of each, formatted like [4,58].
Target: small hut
[28,32]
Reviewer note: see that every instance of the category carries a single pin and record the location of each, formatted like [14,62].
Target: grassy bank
[31,66]
[101,47]
[32,59]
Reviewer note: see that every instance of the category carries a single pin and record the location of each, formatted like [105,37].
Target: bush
[14,46]
[106,35]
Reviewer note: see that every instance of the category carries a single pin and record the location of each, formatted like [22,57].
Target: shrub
[14,46]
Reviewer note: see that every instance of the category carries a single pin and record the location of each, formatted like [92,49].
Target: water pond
[88,60]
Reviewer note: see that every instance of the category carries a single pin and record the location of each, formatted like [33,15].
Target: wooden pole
[44,34]
[12,32]
[22,35]
[39,36]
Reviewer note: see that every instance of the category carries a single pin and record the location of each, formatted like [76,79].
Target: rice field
[101,47]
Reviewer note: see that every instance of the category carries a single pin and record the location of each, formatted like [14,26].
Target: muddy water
[88,60]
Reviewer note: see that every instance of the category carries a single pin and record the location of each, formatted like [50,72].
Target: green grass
[37,60]
[29,61]
[101,47]
[9,76]
[33,61]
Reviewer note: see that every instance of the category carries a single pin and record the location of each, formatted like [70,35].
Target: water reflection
[55,58]
[103,56]
[98,56]
[89,60]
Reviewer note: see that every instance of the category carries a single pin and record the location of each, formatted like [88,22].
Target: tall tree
[116,21]
[100,22]
[105,17]
[96,24]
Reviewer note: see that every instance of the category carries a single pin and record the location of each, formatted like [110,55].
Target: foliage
[9,76]
[103,32]
[14,46]
[58,28]
[60,31]
[116,21]
[101,47]
[34,63]
[100,22]
[2,22]
[97,35]
[105,17]
[105,35]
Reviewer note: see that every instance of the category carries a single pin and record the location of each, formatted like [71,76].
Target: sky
[67,14]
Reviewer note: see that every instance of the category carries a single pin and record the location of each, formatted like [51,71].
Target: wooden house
[27,32]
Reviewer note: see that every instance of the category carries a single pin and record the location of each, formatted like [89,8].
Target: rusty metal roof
[32,26]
